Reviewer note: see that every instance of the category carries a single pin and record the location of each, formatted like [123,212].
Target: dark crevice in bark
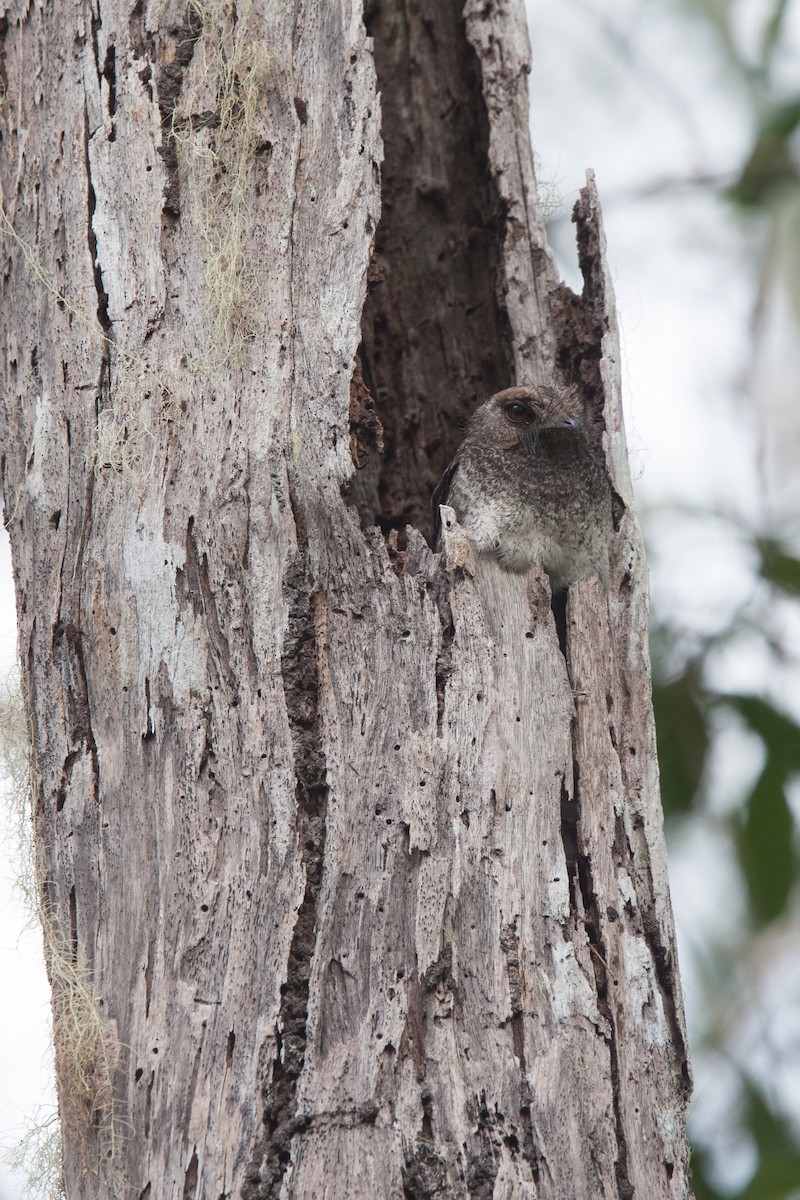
[425,1165]
[73,924]
[102,294]
[428,1167]
[558,607]
[440,973]
[141,42]
[66,775]
[148,978]
[149,732]
[68,655]
[444,658]
[180,41]
[366,431]
[193,586]
[529,1144]
[664,961]
[580,323]
[569,837]
[67,638]
[435,332]
[666,968]
[110,76]
[190,1178]
[482,1164]
[519,1140]
[95,27]
[509,943]
[425,1172]
[580,320]
[148,1104]
[3,70]
[582,875]
[301,691]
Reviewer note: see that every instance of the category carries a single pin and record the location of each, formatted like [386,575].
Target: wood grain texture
[368,876]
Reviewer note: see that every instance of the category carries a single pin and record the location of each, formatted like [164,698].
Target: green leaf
[778,567]
[771,162]
[766,831]
[765,844]
[682,734]
[779,733]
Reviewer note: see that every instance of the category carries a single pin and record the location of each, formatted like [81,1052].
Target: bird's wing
[440,494]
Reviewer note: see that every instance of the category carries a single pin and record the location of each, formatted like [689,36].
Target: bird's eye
[519,414]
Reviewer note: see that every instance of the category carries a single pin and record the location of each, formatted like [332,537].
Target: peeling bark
[366,873]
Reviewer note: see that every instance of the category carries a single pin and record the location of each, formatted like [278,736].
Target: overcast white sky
[642,97]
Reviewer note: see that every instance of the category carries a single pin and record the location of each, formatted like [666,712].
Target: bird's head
[517,416]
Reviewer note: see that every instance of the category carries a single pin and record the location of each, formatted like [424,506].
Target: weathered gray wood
[367,876]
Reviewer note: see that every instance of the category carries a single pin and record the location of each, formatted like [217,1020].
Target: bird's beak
[568,423]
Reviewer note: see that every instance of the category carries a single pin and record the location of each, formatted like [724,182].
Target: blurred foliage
[762,831]
[759,828]
[765,825]
[772,163]
[685,703]
[777,567]
[775,1177]
[683,737]
[768,181]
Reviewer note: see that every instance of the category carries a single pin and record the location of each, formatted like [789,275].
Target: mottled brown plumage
[527,485]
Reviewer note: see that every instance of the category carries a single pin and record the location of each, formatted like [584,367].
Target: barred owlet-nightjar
[527,485]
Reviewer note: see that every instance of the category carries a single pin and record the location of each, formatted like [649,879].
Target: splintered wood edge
[455,543]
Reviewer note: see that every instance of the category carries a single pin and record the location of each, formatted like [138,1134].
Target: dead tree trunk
[353,883]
